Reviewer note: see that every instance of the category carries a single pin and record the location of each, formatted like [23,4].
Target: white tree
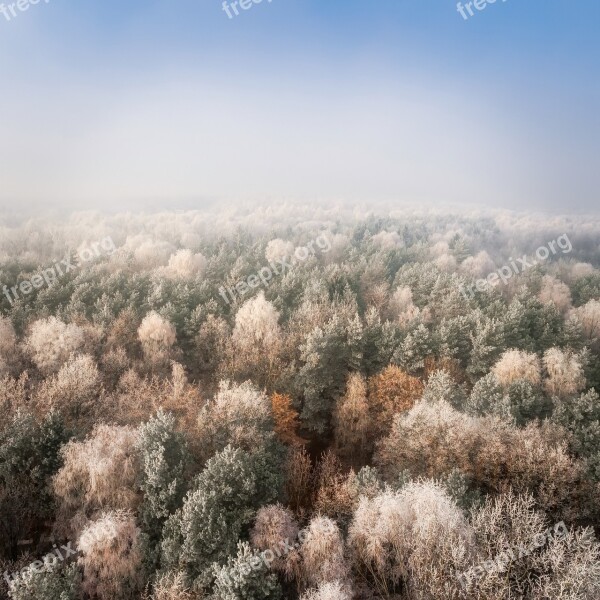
[74,390]
[111,556]
[322,552]
[415,536]
[402,307]
[278,249]
[555,292]
[274,526]
[149,253]
[387,240]
[184,264]
[100,472]
[565,372]
[240,415]
[329,591]
[51,342]
[517,364]
[479,265]
[256,325]
[589,317]
[157,337]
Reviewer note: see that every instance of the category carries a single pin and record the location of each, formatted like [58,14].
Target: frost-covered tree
[245,577]
[75,390]
[487,342]
[210,344]
[581,416]
[417,346]
[432,439]
[185,264]
[351,417]
[401,306]
[440,386]
[327,356]
[47,584]
[329,591]
[171,586]
[256,339]
[278,249]
[50,343]
[564,370]
[8,346]
[412,540]
[589,317]
[157,337]
[517,364]
[275,529]
[526,402]
[530,556]
[322,553]
[223,501]
[163,459]
[256,325]
[555,292]
[29,457]
[99,473]
[239,415]
[111,557]
[454,338]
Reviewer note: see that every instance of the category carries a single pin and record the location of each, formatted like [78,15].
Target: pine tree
[245,577]
[163,460]
[223,501]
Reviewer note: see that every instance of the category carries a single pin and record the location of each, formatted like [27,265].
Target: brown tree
[391,391]
[286,419]
[351,419]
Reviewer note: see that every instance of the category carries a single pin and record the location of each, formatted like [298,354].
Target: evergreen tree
[163,457]
[245,577]
[220,506]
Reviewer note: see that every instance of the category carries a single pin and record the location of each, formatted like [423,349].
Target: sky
[171,103]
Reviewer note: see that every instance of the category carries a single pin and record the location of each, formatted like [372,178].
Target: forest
[300,403]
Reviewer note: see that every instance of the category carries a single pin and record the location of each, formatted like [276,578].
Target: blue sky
[171,102]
